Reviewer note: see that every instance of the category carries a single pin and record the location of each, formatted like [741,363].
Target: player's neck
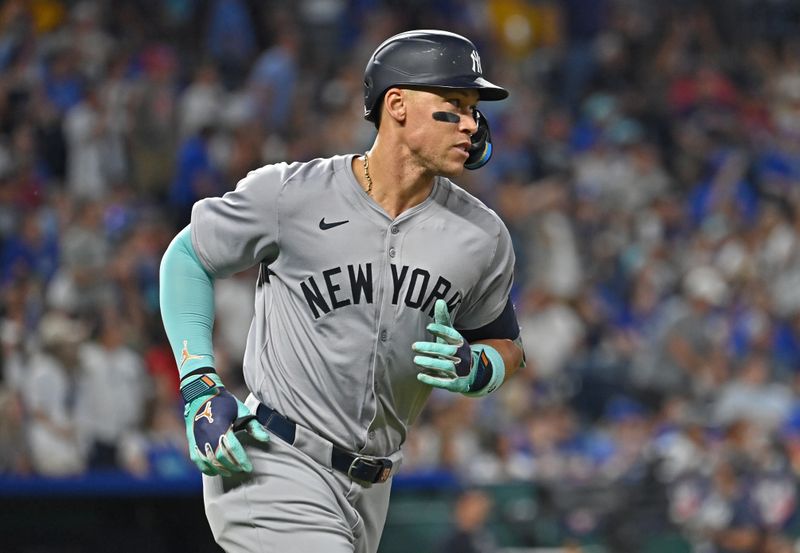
[397,185]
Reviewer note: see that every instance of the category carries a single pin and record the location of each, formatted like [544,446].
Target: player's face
[441,147]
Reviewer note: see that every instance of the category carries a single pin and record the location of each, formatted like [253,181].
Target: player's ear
[395,103]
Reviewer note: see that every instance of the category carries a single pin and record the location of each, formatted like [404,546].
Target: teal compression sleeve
[186,295]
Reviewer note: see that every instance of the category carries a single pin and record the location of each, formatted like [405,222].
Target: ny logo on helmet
[476,62]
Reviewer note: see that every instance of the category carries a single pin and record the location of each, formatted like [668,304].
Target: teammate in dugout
[379,280]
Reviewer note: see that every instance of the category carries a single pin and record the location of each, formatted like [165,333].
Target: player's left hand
[447,363]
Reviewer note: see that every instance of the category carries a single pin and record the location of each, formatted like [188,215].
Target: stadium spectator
[196,176]
[112,392]
[81,284]
[154,131]
[86,132]
[49,393]
[470,516]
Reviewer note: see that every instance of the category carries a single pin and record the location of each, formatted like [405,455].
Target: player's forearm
[509,352]
[187,304]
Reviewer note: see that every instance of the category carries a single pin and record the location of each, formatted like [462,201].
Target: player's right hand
[212,418]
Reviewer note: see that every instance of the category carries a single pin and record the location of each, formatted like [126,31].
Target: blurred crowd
[647,164]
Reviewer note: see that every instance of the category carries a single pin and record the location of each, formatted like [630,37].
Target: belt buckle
[384,466]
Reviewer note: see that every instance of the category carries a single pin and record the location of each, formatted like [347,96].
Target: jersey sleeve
[241,228]
[487,301]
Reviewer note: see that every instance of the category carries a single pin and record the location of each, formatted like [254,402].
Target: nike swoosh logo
[325,226]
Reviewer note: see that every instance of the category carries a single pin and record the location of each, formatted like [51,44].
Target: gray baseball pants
[292,502]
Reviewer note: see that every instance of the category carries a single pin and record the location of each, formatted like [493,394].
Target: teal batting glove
[450,363]
[213,416]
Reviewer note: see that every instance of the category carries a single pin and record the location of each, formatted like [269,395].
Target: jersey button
[395,230]
[384,335]
[371,434]
[392,252]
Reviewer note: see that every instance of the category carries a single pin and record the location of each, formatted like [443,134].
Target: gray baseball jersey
[345,290]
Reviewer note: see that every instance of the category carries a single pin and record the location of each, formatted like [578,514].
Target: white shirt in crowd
[112,392]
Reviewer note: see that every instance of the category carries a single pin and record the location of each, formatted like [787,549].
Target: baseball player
[379,280]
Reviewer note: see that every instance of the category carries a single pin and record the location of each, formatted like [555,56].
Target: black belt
[365,469]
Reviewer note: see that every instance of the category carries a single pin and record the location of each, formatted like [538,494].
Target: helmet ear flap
[368,92]
[481,150]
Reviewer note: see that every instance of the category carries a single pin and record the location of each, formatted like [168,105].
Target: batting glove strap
[203,384]
[196,372]
[489,370]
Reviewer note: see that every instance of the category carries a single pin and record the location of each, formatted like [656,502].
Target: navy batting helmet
[425,58]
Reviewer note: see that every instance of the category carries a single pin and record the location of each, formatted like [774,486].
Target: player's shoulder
[470,208]
[288,173]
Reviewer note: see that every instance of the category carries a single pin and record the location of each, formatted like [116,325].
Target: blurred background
[647,164]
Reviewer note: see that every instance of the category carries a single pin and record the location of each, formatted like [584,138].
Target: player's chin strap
[481,150]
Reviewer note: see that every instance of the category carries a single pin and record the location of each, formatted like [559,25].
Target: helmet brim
[487,91]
